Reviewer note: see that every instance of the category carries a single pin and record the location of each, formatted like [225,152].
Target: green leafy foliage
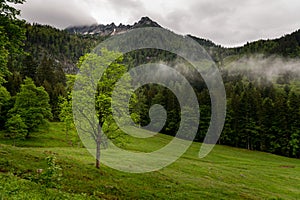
[66,114]
[112,72]
[51,176]
[16,127]
[32,104]
[12,34]
[4,105]
[51,76]
[3,56]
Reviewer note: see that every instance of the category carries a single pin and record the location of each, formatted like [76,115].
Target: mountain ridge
[111,29]
[286,45]
[66,46]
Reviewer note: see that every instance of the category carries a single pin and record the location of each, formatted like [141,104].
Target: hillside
[256,97]
[286,46]
[255,86]
[58,45]
[227,173]
[68,45]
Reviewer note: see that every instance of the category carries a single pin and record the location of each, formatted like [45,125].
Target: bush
[51,176]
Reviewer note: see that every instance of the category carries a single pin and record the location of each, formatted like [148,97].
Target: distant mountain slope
[62,47]
[112,29]
[286,46]
[66,46]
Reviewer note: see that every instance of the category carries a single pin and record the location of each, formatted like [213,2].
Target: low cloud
[268,67]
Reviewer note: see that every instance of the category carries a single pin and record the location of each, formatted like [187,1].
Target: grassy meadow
[226,173]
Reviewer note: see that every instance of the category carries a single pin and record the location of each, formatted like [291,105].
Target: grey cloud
[125,11]
[226,22]
[233,23]
[56,12]
[132,4]
[177,20]
[210,10]
[133,8]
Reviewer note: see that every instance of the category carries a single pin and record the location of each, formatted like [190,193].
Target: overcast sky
[226,22]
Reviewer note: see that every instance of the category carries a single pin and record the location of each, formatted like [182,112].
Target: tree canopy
[12,35]
[32,104]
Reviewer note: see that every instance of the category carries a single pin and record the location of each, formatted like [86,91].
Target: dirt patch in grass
[287,166]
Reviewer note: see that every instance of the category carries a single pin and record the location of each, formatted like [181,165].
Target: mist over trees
[38,66]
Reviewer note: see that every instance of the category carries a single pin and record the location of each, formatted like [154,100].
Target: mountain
[100,30]
[111,29]
[66,46]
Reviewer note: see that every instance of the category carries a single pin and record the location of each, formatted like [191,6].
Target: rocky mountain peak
[146,22]
[111,29]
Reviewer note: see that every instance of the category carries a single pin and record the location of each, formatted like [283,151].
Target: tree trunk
[248,143]
[98,156]
[98,141]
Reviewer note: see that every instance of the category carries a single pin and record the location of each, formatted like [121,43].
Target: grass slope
[226,173]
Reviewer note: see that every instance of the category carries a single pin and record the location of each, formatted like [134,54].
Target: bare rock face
[111,29]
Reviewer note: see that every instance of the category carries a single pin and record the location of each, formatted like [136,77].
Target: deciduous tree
[32,104]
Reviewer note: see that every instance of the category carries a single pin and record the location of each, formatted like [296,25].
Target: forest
[39,65]
[43,156]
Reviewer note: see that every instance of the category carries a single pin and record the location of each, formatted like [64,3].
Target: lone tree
[32,105]
[97,95]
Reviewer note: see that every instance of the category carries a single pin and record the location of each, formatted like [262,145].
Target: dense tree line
[262,116]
